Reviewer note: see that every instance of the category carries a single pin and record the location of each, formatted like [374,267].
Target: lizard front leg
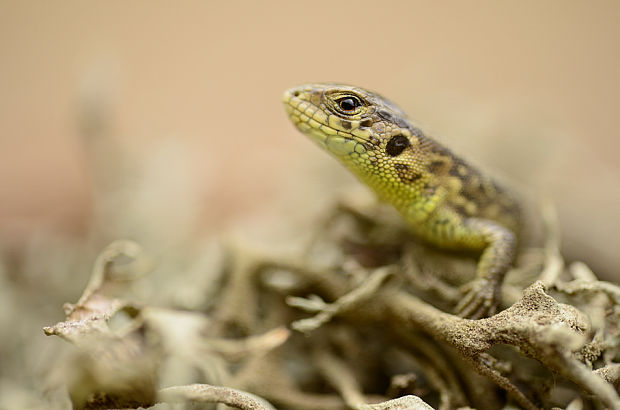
[481,296]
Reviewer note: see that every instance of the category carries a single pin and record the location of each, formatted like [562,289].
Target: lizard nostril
[296,94]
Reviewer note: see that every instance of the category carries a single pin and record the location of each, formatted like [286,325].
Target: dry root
[369,331]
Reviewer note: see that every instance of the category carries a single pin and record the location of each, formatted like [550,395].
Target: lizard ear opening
[396,145]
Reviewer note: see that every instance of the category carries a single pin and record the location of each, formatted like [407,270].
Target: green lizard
[445,201]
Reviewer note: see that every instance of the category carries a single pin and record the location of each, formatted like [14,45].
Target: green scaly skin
[445,201]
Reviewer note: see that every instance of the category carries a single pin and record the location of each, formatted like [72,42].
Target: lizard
[445,201]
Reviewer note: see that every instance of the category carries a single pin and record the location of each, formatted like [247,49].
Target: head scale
[366,132]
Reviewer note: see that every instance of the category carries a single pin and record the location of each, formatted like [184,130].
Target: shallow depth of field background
[150,119]
[527,90]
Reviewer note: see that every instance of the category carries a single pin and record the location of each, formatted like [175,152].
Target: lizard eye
[396,145]
[348,103]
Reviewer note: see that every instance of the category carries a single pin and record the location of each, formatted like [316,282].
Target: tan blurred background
[529,89]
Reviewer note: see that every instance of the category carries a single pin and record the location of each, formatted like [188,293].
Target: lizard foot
[479,299]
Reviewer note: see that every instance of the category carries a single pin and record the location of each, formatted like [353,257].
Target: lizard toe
[478,301]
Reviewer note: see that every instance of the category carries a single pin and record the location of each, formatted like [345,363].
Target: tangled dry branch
[369,325]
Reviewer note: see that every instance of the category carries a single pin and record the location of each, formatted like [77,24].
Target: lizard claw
[479,299]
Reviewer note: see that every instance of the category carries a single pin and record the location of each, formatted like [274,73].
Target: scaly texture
[446,201]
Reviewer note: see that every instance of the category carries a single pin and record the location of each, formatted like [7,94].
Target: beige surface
[529,88]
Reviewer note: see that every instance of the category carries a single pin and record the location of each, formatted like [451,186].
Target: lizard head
[367,133]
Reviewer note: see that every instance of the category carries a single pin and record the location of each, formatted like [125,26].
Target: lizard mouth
[314,122]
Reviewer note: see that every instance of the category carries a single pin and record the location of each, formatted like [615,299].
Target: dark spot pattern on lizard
[405,174]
